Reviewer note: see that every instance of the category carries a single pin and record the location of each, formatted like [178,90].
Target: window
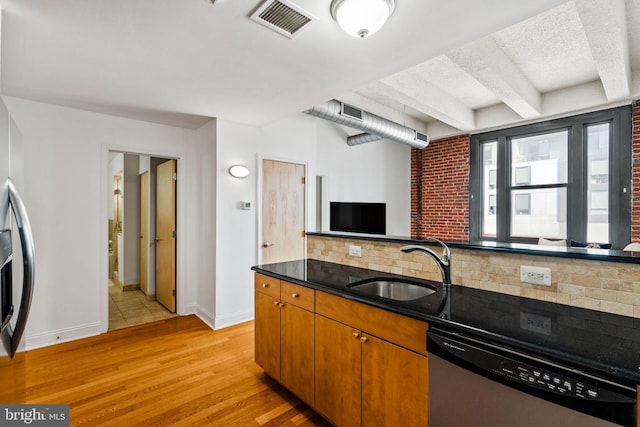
[561,179]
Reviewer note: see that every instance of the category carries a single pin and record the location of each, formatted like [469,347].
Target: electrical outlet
[355,251]
[535,275]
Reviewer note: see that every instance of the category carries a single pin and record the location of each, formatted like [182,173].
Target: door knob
[267,244]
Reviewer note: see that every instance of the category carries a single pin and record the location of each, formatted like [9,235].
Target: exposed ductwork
[375,127]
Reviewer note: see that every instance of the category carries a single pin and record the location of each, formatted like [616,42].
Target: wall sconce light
[239,171]
[361,18]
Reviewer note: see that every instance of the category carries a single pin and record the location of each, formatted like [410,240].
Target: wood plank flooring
[172,372]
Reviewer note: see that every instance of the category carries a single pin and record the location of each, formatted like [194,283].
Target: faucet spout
[444,261]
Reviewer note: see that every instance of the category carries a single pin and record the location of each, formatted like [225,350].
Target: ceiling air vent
[348,110]
[422,137]
[283,17]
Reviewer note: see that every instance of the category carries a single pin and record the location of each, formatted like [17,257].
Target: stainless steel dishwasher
[477,383]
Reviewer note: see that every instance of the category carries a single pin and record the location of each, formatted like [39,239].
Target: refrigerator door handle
[28,257]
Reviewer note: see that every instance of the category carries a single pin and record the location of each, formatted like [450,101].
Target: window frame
[577,208]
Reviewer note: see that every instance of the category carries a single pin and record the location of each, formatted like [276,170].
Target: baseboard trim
[48,338]
[232,319]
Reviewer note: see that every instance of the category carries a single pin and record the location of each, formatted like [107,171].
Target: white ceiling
[443,67]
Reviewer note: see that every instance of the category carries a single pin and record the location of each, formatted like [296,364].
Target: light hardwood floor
[172,372]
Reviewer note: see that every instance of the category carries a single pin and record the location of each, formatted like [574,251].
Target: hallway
[129,308]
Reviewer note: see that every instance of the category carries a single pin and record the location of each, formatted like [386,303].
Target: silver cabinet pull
[267,244]
[295,295]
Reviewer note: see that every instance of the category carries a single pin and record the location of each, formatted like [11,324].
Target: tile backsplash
[612,287]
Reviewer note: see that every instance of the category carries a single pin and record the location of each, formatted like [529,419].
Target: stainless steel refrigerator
[16,243]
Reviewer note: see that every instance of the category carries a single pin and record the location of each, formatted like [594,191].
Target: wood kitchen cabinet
[284,334]
[338,372]
[362,379]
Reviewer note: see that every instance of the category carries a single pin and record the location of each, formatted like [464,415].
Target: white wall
[374,172]
[378,171]
[66,187]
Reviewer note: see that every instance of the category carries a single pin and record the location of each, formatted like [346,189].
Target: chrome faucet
[444,261]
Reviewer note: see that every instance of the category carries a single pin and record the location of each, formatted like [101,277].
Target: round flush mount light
[239,171]
[361,18]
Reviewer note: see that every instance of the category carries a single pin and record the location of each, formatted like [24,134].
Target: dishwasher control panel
[523,369]
[551,381]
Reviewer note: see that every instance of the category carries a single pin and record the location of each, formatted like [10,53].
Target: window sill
[515,248]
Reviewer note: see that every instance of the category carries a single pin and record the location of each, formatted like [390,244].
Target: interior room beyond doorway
[133,211]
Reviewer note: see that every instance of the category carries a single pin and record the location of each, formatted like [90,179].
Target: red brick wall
[440,190]
[635,174]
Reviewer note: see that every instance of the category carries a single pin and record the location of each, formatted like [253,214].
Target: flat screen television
[369,218]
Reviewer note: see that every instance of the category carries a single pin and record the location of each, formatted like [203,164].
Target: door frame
[259,159]
[181,226]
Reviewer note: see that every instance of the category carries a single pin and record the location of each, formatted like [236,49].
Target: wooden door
[338,374]
[165,235]
[267,334]
[283,198]
[395,385]
[297,351]
[144,233]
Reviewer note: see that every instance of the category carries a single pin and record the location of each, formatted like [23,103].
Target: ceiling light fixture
[361,18]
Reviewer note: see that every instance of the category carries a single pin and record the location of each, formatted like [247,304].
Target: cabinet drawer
[401,330]
[298,296]
[267,285]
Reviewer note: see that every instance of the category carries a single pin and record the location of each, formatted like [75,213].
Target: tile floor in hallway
[129,308]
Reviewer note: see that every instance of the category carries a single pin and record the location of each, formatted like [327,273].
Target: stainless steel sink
[395,290]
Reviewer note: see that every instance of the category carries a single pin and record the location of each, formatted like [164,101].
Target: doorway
[283,211]
[133,210]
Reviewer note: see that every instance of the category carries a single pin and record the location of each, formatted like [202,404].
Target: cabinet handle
[295,295]
[363,339]
[276,303]
[356,335]
[265,285]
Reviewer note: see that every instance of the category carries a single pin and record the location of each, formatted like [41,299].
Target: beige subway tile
[601,294]
[586,280]
[584,302]
[611,284]
[636,311]
[489,286]
[509,289]
[629,274]
[617,308]
[558,298]
[629,298]
[532,293]
[569,289]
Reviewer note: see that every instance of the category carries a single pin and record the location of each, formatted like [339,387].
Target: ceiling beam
[484,61]
[413,90]
[605,26]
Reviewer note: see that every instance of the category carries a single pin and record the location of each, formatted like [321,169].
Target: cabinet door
[338,374]
[394,385]
[267,334]
[297,352]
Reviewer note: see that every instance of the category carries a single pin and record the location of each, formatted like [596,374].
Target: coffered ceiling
[442,67]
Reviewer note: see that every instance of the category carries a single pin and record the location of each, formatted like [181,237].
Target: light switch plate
[355,251]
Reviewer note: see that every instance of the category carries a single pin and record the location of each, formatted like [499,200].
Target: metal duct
[375,127]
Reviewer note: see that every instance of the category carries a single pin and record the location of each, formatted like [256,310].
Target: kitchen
[72,306]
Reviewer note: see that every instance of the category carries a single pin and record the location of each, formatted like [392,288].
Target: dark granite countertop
[593,341]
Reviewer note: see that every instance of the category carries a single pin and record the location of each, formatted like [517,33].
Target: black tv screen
[370,218]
